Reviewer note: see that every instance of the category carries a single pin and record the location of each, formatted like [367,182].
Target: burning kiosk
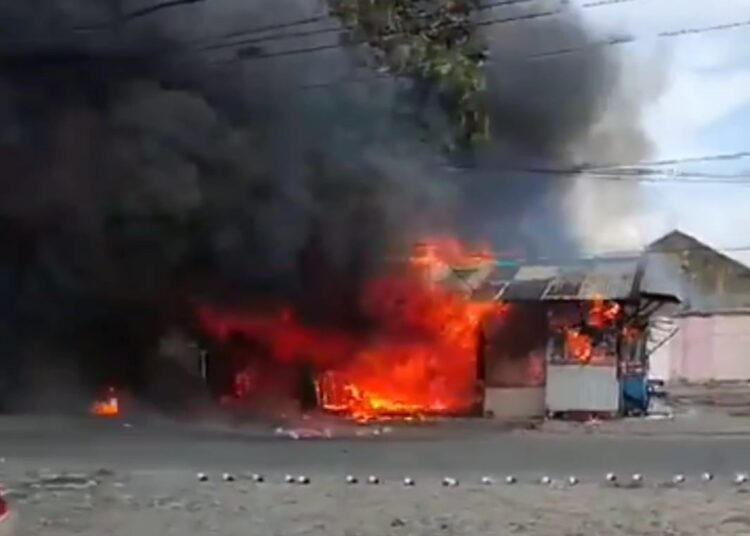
[583,330]
[455,333]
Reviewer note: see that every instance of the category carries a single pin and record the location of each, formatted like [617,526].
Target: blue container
[635,395]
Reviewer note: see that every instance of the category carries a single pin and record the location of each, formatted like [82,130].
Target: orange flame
[420,360]
[424,361]
[579,346]
[603,314]
[110,407]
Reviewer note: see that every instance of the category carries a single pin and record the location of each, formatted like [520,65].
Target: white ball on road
[487,480]
[372,479]
[450,482]
[637,477]
[611,477]
[408,481]
[289,479]
[678,479]
[351,479]
[202,477]
[572,480]
[303,480]
[545,480]
[707,477]
[510,479]
[740,478]
[227,477]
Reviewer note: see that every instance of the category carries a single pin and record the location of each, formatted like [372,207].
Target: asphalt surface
[457,449]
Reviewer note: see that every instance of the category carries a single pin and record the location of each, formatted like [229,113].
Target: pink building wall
[705,348]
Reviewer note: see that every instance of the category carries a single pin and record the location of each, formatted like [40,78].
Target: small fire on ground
[420,360]
[108,407]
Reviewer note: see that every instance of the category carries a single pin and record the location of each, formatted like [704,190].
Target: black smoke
[142,169]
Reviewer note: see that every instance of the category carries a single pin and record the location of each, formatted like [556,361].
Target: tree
[434,43]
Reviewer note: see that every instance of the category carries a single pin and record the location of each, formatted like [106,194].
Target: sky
[704,109]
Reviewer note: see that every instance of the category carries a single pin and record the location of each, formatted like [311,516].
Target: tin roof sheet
[584,280]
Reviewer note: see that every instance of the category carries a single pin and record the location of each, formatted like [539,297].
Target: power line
[306,50]
[320,48]
[271,27]
[320,18]
[660,179]
[530,57]
[622,172]
[673,161]
[137,13]
[629,167]
[614,254]
[598,3]
[308,33]
[631,39]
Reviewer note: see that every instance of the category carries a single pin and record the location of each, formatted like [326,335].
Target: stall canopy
[618,279]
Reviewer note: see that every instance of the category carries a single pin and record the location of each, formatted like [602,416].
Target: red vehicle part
[7,518]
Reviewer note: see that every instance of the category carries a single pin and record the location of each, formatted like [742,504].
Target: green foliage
[431,41]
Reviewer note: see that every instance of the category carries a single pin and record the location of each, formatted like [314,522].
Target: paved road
[455,449]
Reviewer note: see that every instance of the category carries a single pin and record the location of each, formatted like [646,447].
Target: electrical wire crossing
[530,57]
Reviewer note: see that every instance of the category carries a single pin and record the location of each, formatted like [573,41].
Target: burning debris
[109,407]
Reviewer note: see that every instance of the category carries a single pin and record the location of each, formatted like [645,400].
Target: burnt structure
[574,337]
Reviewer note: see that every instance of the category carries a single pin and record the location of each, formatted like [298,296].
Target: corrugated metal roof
[661,275]
[584,280]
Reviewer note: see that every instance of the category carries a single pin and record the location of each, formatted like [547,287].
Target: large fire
[420,359]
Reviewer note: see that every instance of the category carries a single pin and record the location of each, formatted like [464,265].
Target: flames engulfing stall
[412,353]
[450,332]
[590,322]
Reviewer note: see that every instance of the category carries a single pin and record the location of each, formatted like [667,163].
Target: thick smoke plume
[142,169]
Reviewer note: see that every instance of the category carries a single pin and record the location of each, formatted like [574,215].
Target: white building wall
[705,348]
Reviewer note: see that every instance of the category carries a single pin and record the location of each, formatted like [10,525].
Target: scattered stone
[737,520]
[65,482]
[104,472]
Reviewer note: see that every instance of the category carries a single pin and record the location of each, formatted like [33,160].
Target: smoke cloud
[143,169]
